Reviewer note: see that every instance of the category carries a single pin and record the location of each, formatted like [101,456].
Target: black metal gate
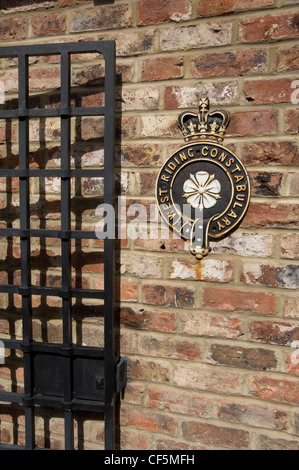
[65,375]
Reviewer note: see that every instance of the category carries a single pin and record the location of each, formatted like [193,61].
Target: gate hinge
[121,375]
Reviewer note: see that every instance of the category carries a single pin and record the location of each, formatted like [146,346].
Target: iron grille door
[63,375]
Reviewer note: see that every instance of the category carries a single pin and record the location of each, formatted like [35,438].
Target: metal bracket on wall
[65,376]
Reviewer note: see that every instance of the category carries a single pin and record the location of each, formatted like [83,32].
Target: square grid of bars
[65,355]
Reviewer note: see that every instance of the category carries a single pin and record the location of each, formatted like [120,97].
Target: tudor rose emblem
[203,188]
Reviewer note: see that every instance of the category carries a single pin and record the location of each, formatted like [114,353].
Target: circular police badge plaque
[203,188]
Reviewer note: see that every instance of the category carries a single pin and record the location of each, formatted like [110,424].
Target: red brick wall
[211,346]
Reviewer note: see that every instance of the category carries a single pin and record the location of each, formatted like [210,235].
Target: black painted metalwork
[64,376]
[203,189]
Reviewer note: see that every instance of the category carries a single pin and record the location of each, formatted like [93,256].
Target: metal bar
[11,397]
[66,245]
[51,112]
[45,173]
[43,233]
[11,343]
[68,430]
[51,291]
[102,47]
[11,447]
[25,246]
[76,404]
[59,349]
[109,146]
[9,289]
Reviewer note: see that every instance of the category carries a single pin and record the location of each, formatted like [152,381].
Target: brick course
[212,346]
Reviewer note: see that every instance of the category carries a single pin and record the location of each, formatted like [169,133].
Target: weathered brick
[239,299]
[101,17]
[245,244]
[126,127]
[90,74]
[17,377]
[131,43]
[265,183]
[13,28]
[168,347]
[209,269]
[253,415]
[91,335]
[159,125]
[50,23]
[44,78]
[294,184]
[173,296]
[152,371]
[14,6]
[134,393]
[147,420]
[274,389]
[129,208]
[203,324]
[127,343]
[216,435]
[270,28]
[196,36]
[133,440]
[177,401]
[245,358]
[87,156]
[157,241]
[184,97]
[292,121]
[265,442]
[286,277]
[155,11]
[5,434]
[8,132]
[292,361]
[290,246]
[93,128]
[9,79]
[291,308]
[170,444]
[145,155]
[287,60]
[273,332]
[50,132]
[264,121]
[212,380]
[206,8]
[125,72]
[268,91]
[148,319]
[224,64]
[126,290]
[271,215]
[147,182]
[162,68]
[141,266]
[131,99]
[270,153]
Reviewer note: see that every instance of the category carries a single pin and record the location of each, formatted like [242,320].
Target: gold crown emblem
[204,125]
